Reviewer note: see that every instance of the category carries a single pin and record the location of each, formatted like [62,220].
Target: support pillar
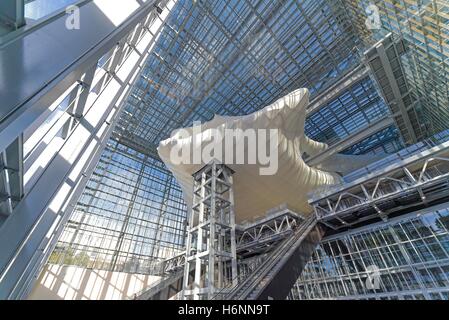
[211,245]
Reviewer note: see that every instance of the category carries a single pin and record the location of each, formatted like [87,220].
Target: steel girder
[28,235]
[421,179]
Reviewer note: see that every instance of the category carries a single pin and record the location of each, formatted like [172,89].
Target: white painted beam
[27,236]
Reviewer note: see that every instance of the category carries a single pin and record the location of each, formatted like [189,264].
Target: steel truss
[88,88]
[263,234]
[256,243]
[420,180]
[169,265]
[211,234]
[251,239]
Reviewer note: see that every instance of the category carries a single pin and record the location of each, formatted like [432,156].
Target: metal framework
[357,113]
[255,241]
[141,221]
[408,256]
[175,263]
[12,15]
[264,234]
[251,240]
[384,59]
[416,177]
[271,275]
[64,117]
[171,77]
[205,57]
[353,139]
[211,241]
[203,65]
[422,25]
[11,178]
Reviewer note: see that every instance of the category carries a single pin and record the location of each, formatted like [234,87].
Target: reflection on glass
[37,9]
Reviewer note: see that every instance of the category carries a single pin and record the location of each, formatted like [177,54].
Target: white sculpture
[256,193]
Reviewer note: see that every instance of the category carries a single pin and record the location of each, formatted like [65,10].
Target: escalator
[165,288]
[276,275]
[272,278]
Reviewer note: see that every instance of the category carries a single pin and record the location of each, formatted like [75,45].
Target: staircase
[276,275]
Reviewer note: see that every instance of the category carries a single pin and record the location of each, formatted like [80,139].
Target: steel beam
[76,109]
[355,76]
[349,141]
[11,177]
[27,235]
[12,13]
[62,56]
[382,58]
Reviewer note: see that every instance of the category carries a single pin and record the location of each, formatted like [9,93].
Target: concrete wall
[58,282]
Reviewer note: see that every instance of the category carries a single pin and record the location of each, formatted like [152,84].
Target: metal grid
[356,107]
[67,127]
[236,57]
[410,257]
[424,27]
[229,58]
[130,213]
[388,140]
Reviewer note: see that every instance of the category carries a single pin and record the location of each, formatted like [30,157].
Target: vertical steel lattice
[211,251]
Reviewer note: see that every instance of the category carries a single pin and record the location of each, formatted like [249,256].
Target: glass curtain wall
[211,57]
[406,259]
[130,214]
[424,26]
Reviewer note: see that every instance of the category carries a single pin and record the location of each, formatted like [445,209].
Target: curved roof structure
[257,189]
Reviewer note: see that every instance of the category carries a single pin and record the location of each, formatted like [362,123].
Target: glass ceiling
[213,57]
[235,57]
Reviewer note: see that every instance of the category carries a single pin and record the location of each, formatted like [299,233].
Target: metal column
[211,245]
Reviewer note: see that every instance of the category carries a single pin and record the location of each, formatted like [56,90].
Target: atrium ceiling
[235,57]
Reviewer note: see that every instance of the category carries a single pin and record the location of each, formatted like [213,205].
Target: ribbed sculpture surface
[257,192]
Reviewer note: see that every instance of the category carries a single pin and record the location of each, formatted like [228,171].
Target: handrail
[155,284]
[279,253]
[240,278]
[261,269]
[274,261]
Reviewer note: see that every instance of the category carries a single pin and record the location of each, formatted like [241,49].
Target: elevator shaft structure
[211,245]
